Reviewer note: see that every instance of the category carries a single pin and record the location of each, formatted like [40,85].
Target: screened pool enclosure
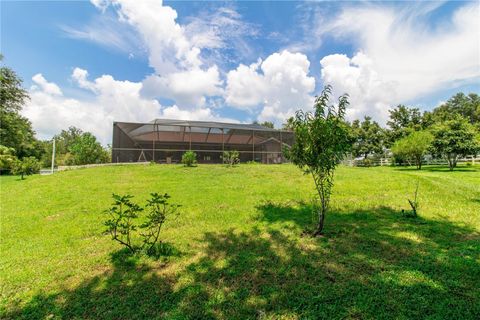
[165,141]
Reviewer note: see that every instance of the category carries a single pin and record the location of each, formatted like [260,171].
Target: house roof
[204,124]
[211,124]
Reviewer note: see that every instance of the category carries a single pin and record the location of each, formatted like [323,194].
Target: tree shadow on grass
[371,264]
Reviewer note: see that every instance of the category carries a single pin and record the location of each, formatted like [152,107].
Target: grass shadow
[372,264]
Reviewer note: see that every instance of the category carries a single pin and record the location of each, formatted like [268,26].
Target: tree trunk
[321,219]
[419,163]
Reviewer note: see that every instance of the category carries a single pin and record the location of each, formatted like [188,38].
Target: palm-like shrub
[189,159]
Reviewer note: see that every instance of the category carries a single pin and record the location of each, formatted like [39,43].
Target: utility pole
[53,155]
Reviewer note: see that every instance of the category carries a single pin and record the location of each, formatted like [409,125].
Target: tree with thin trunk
[413,147]
[454,139]
[322,139]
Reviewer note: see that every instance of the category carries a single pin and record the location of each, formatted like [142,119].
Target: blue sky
[90,63]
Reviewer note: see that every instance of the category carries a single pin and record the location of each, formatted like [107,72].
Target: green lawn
[237,250]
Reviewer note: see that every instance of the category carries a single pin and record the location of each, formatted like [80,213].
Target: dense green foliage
[75,147]
[371,141]
[15,131]
[86,149]
[403,121]
[7,158]
[236,250]
[369,138]
[413,147]
[189,159]
[25,167]
[321,141]
[467,106]
[454,139]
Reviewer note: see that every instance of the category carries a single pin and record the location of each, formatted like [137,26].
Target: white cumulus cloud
[48,87]
[401,57]
[280,85]
[174,52]
[188,88]
[113,100]
[369,93]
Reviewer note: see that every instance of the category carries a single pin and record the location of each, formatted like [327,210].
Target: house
[165,141]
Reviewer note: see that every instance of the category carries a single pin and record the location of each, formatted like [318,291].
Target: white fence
[388,161]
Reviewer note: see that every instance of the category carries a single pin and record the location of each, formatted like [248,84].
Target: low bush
[231,158]
[189,159]
[364,163]
[122,222]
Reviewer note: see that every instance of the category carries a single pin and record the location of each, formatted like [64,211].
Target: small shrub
[189,159]
[365,162]
[231,158]
[25,167]
[121,223]
[124,213]
[158,209]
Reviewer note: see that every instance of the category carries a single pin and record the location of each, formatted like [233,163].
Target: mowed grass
[236,251]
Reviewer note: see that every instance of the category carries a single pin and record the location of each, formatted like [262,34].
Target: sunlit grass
[239,252]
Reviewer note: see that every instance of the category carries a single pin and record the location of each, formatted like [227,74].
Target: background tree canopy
[15,131]
[467,106]
[369,138]
[455,138]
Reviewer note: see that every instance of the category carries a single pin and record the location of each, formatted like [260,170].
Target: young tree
[454,139]
[159,210]
[369,138]
[121,224]
[26,166]
[413,147]
[122,217]
[321,141]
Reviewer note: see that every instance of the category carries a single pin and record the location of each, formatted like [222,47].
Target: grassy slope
[237,246]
